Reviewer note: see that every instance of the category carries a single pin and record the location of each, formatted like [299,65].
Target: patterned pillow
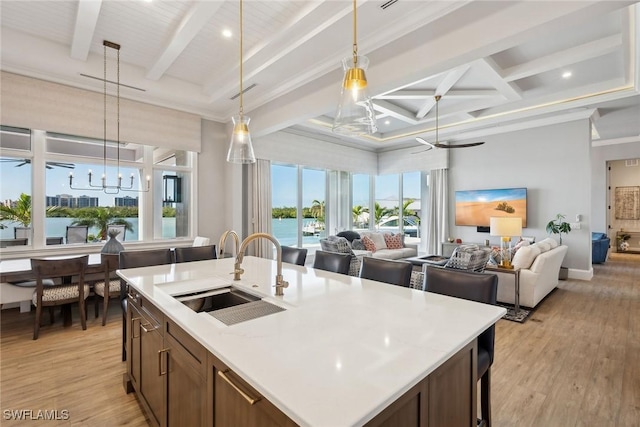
[368,244]
[393,241]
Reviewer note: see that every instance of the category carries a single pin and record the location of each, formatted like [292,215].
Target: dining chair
[54,240]
[195,253]
[292,255]
[110,264]
[51,296]
[477,287]
[120,228]
[77,234]
[132,259]
[388,271]
[332,261]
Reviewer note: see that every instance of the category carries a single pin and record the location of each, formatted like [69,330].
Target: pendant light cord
[241,108]
[355,31]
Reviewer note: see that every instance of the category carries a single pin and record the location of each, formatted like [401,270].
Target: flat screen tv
[475,207]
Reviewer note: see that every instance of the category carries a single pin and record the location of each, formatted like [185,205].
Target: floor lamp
[505,227]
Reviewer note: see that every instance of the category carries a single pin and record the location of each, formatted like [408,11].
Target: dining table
[19,270]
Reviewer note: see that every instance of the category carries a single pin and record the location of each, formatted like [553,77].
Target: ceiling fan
[438,144]
[48,165]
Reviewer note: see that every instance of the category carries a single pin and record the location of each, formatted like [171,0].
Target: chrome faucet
[223,241]
[237,271]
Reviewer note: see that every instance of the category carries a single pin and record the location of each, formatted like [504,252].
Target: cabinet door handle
[251,400]
[160,371]
[145,329]
[133,329]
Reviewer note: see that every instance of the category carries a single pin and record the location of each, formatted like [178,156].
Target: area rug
[523,313]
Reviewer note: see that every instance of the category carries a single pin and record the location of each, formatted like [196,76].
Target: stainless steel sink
[216,299]
[229,305]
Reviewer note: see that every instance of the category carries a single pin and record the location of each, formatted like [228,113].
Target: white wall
[600,155]
[552,162]
[214,189]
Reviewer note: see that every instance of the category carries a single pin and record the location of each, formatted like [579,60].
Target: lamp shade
[240,147]
[355,114]
[505,226]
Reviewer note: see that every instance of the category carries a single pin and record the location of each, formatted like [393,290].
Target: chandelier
[113,186]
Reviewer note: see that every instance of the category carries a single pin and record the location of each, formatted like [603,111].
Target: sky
[16,180]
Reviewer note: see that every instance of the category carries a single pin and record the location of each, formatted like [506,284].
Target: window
[361,201]
[15,187]
[284,202]
[298,200]
[411,203]
[387,188]
[75,178]
[70,189]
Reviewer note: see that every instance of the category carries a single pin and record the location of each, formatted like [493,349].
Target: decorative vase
[113,246]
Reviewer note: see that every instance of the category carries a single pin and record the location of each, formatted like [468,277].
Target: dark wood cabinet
[236,403]
[180,383]
[186,381]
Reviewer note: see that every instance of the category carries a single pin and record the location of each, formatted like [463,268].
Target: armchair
[599,247]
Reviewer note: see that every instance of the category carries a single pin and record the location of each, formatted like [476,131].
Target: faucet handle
[285,284]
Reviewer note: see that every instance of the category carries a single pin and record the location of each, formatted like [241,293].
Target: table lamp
[505,227]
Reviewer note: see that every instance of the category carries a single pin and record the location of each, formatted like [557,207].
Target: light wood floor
[575,362]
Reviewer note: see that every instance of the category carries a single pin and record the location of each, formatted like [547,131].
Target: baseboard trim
[581,274]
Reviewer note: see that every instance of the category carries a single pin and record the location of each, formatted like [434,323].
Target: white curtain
[261,202]
[438,226]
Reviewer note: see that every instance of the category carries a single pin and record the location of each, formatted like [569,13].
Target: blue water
[57,227]
[286,231]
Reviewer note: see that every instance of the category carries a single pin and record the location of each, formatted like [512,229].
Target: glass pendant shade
[240,147]
[355,114]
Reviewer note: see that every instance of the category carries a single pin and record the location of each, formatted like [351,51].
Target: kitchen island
[342,350]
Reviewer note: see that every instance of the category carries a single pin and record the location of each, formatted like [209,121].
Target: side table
[516,274]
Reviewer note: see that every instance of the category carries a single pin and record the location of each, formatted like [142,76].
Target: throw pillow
[525,256]
[544,246]
[378,239]
[393,241]
[349,235]
[369,245]
[551,242]
[357,245]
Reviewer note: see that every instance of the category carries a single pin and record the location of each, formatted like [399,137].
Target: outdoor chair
[54,240]
[77,234]
[120,228]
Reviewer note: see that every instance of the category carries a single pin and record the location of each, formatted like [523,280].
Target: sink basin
[216,299]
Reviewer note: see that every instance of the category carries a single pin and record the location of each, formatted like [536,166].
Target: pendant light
[240,147]
[104,185]
[355,114]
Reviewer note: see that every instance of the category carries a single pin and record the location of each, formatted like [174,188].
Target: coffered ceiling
[497,65]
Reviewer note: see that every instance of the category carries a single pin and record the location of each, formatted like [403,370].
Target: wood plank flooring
[575,362]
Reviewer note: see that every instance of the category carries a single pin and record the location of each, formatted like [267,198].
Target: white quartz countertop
[343,349]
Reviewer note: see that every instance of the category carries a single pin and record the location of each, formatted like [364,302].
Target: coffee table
[418,261]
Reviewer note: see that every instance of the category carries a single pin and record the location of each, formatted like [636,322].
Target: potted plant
[558,226]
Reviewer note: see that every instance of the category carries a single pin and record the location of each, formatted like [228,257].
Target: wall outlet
[575,225]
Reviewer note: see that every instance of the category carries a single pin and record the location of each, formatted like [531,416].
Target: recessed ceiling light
[226,33]
[387,122]
[566,74]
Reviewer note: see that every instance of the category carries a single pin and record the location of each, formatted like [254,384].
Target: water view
[57,227]
[286,231]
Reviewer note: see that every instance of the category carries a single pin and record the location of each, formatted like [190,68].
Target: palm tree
[21,213]
[381,212]
[317,210]
[100,218]
[357,212]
